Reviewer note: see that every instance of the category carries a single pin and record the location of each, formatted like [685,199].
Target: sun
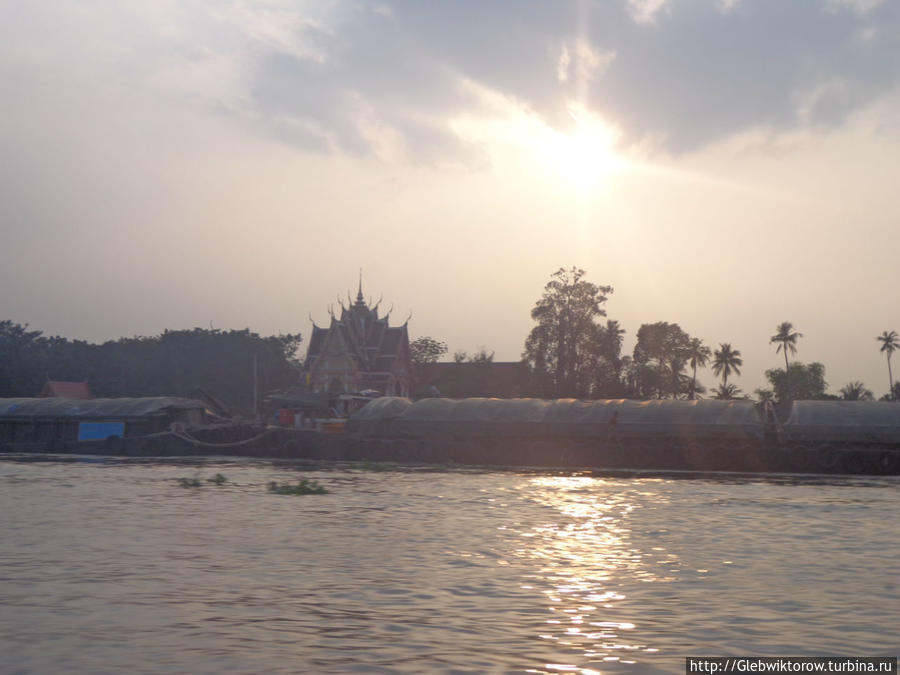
[585,155]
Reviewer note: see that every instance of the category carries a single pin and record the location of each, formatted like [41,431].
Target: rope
[183,435]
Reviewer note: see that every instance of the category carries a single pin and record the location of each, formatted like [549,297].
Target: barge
[834,437]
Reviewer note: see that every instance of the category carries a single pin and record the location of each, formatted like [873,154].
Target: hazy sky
[726,165]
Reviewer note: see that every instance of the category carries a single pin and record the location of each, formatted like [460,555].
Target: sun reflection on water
[584,556]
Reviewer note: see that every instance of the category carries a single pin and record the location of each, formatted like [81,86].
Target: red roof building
[60,389]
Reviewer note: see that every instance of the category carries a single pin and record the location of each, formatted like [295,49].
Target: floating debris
[303,487]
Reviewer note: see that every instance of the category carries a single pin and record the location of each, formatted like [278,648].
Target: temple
[360,351]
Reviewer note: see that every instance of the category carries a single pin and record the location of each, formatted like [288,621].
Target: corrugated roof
[93,408]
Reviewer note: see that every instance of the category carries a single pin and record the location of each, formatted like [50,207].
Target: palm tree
[765,395]
[786,337]
[726,361]
[698,356]
[727,392]
[856,391]
[889,343]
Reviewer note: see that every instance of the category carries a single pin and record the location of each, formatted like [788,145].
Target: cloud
[645,11]
[688,73]
[384,79]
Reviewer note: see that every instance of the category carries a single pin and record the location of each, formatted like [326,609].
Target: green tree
[764,395]
[786,338]
[172,364]
[606,361]
[426,349]
[698,355]
[894,394]
[726,361]
[889,344]
[727,392]
[856,391]
[561,350]
[422,352]
[807,382]
[667,345]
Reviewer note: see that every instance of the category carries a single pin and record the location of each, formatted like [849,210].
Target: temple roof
[370,339]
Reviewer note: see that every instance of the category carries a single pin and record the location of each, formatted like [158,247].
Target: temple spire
[359,295]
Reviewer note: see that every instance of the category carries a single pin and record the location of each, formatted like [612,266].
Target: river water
[111,566]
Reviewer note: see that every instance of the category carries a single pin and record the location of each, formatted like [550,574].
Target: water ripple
[113,566]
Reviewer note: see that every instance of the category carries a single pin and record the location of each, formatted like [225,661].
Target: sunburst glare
[585,155]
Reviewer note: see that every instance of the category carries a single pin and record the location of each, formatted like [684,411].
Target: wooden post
[255,387]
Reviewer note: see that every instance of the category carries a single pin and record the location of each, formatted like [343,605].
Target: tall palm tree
[889,344]
[786,337]
[698,356]
[726,361]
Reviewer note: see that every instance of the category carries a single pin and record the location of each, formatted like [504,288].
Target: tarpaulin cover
[477,416]
[836,421]
[95,408]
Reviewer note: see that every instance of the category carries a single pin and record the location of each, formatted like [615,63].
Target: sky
[723,164]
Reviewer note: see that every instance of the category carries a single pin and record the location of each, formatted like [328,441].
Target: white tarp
[836,421]
[482,416]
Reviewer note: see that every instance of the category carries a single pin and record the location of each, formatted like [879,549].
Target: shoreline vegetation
[573,351]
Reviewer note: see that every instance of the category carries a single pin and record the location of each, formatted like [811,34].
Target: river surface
[110,566]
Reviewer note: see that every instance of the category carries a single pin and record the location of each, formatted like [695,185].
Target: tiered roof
[374,344]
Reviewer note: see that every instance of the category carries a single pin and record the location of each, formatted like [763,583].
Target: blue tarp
[93,431]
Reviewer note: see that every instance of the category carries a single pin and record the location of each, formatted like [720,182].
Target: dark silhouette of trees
[764,395]
[171,364]
[565,347]
[608,364]
[727,392]
[666,345]
[889,344]
[894,394]
[426,349]
[856,391]
[807,382]
[423,351]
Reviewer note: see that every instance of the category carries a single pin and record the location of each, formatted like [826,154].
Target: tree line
[575,351]
[174,363]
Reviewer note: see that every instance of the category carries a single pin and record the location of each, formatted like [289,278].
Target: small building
[359,352]
[50,420]
[62,389]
